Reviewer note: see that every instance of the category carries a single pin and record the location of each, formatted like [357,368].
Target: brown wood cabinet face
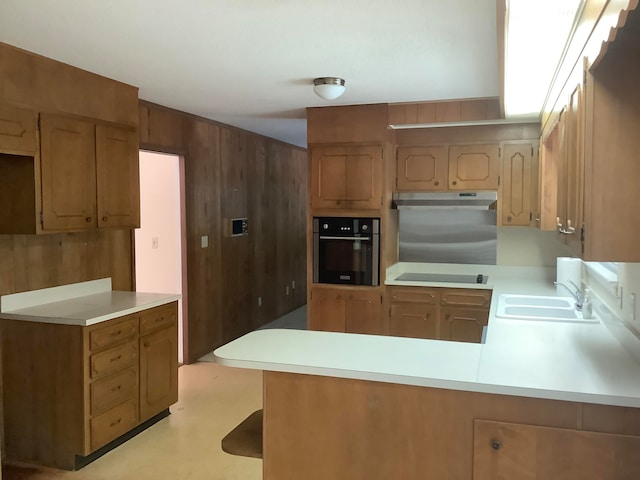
[346,177]
[519,452]
[519,184]
[572,177]
[327,310]
[416,320]
[158,371]
[466,297]
[17,131]
[118,177]
[474,167]
[68,173]
[454,314]
[462,324]
[421,168]
[113,423]
[363,312]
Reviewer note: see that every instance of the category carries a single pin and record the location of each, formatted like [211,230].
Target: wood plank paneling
[352,123]
[230,173]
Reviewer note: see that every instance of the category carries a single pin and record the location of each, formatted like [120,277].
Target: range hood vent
[476,200]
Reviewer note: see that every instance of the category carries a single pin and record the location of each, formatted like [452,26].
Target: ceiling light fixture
[328,88]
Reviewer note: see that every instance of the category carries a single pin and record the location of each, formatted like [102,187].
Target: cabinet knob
[496,444]
[454,182]
[88,219]
[509,218]
[104,219]
[436,183]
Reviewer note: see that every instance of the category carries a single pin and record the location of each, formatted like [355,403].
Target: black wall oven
[346,250]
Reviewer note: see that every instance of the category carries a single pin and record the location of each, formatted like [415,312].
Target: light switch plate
[204,241]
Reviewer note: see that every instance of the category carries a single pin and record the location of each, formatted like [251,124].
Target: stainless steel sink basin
[540,308]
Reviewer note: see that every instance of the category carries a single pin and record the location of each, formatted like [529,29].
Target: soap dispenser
[587,306]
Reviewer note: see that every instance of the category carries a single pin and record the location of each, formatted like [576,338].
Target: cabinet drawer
[113,334]
[466,297]
[414,295]
[158,318]
[113,390]
[114,359]
[113,423]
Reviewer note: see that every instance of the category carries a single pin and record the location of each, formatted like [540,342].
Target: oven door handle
[353,239]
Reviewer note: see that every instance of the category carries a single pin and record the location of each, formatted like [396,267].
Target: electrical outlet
[259,301]
[632,305]
[293,284]
[286,290]
[154,242]
[204,241]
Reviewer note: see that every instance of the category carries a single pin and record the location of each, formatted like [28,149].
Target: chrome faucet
[577,295]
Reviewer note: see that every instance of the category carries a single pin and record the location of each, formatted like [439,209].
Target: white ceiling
[250,63]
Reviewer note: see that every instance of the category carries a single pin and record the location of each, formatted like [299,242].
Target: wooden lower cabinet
[380,431]
[349,309]
[453,314]
[522,452]
[70,390]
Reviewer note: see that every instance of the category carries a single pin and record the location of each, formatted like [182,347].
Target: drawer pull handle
[116,334]
[115,389]
[496,444]
[115,359]
[113,424]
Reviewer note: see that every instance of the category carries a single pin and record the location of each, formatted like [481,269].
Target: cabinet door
[421,168]
[416,320]
[327,310]
[346,177]
[519,452]
[17,131]
[158,371]
[68,174]
[518,184]
[459,324]
[574,172]
[118,173]
[363,312]
[474,167]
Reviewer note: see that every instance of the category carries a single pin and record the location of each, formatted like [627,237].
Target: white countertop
[542,359]
[84,304]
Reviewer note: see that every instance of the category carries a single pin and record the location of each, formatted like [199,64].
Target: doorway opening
[160,242]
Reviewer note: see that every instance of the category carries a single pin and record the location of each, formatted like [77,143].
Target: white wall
[529,247]
[158,240]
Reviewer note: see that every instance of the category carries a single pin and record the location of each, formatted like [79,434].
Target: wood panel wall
[231,173]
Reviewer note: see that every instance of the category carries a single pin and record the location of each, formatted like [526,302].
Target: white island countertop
[83,304]
[542,359]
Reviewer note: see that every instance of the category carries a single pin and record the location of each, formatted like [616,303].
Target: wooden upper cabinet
[118,177]
[422,168]
[519,185]
[346,177]
[68,173]
[84,176]
[17,131]
[474,167]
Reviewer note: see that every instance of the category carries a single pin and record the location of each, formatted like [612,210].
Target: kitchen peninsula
[536,398]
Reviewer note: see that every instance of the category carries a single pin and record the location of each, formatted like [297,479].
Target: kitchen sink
[540,308]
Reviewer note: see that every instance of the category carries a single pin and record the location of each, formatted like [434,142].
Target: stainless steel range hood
[447,227]
[478,200]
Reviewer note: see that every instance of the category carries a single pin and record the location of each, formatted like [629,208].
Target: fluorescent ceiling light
[537,33]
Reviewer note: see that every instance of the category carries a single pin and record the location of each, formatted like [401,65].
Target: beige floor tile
[185,445]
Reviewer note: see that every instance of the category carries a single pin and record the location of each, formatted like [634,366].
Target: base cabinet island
[535,400]
[82,374]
